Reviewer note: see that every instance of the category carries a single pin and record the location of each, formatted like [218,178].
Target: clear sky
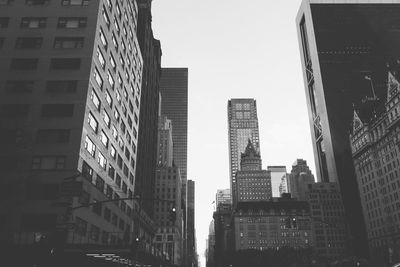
[235,49]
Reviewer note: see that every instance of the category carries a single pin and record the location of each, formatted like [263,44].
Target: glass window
[103,38]
[100,57]
[98,78]
[106,119]
[90,146]
[102,160]
[108,98]
[104,139]
[93,122]
[95,99]
[110,78]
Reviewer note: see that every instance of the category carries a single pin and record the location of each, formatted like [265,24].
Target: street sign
[71,189]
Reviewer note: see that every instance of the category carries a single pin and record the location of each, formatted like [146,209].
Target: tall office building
[71,73]
[376,154]
[174,93]
[299,179]
[149,108]
[344,46]
[277,173]
[191,233]
[223,196]
[252,183]
[242,126]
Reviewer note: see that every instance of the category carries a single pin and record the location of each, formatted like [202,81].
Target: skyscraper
[242,126]
[174,93]
[277,173]
[68,104]
[252,183]
[149,108]
[299,179]
[345,45]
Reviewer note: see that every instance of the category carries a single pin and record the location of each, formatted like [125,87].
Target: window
[93,122]
[36,2]
[116,25]
[90,146]
[48,162]
[113,152]
[104,139]
[103,38]
[102,160]
[33,23]
[118,180]
[19,87]
[111,171]
[116,115]
[106,119]
[65,63]
[98,78]
[108,98]
[114,40]
[100,183]
[87,171]
[80,226]
[95,99]
[75,2]
[68,42]
[72,22]
[114,132]
[57,110]
[112,61]
[61,86]
[110,78]
[29,42]
[52,136]
[4,22]
[100,57]
[107,214]
[24,63]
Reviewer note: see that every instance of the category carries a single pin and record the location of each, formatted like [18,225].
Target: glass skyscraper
[242,126]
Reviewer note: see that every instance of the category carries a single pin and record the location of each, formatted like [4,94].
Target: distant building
[277,173]
[242,126]
[169,236]
[299,179]
[164,143]
[211,245]
[191,232]
[263,225]
[376,154]
[252,183]
[224,238]
[223,196]
[283,187]
[149,107]
[329,223]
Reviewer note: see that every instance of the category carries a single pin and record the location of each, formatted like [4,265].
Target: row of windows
[47,110]
[51,87]
[41,22]
[26,64]
[47,2]
[37,42]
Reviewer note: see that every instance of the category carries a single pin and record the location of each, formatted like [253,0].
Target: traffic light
[172,215]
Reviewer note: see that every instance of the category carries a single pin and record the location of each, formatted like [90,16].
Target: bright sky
[235,49]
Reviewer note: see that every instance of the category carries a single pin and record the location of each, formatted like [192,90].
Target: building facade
[69,108]
[329,224]
[149,108]
[242,126]
[223,196]
[299,179]
[252,183]
[191,232]
[277,173]
[374,143]
[262,225]
[346,70]
[164,142]
[283,186]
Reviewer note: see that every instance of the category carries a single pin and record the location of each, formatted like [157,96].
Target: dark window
[52,136]
[37,2]
[111,172]
[29,42]
[80,226]
[84,198]
[68,42]
[87,171]
[48,162]
[114,219]
[24,63]
[65,63]
[72,22]
[57,110]
[119,162]
[62,86]
[118,180]
[4,22]
[107,214]
[100,183]
[124,188]
[14,110]
[38,221]
[97,208]
[19,87]
[75,2]
[33,23]
[109,192]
